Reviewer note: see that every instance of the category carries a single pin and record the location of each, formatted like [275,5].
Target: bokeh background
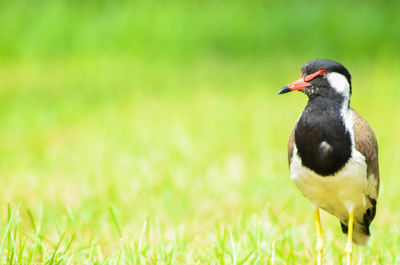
[150,132]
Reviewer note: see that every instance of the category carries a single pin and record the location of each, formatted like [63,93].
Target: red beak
[301,83]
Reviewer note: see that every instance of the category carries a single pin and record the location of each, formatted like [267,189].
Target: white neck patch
[339,83]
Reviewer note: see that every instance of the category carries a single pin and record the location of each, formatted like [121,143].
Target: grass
[151,133]
[100,167]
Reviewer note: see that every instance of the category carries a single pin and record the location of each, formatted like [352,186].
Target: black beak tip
[284,90]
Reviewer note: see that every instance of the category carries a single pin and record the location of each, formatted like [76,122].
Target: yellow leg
[349,246]
[320,243]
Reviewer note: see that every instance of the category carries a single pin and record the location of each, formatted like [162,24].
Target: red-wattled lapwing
[333,153]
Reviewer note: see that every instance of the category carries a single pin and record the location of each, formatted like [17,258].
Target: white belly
[337,194]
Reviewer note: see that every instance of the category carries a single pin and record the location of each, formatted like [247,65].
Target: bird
[333,153]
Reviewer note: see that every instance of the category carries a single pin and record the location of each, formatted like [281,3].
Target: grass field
[172,150]
[100,166]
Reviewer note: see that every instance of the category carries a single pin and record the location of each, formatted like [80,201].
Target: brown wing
[367,145]
[291,144]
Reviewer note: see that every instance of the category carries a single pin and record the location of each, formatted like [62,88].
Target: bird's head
[322,78]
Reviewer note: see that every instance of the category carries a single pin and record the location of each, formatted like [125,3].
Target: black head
[328,65]
[322,77]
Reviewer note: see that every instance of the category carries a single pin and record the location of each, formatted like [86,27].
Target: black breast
[321,138]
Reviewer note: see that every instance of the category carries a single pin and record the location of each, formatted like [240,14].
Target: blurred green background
[150,132]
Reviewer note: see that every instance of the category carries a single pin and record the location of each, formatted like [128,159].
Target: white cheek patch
[339,83]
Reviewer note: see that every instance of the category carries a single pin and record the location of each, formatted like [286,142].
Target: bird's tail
[361,233]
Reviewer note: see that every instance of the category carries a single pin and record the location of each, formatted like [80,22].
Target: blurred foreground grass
[194,173]
[151,133]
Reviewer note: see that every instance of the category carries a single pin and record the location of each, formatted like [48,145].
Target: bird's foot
[349,251]
[320,248]
[320,245]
